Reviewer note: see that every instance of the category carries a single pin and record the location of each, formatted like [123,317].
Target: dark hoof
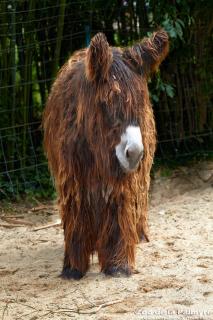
[118,271]
[68,273]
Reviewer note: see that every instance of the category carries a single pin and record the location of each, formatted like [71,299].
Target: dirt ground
[174,272]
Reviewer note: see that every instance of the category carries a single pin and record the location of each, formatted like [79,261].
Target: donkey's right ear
[98,58]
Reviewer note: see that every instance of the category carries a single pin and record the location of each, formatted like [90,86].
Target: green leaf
[181,22]
[169,90]
[154,97]
[179,30]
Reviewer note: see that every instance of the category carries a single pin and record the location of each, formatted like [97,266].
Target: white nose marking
[130,149]
[133,135]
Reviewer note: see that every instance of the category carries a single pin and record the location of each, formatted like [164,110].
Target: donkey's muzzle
[130,150]
[134,154]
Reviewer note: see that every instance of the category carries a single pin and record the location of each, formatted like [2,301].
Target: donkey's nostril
[134,153]
[131,153]
[127,154]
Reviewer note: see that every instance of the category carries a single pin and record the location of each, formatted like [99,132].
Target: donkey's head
[120,76]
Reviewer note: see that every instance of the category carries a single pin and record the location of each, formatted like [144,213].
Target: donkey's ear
[146,56]
[98,58]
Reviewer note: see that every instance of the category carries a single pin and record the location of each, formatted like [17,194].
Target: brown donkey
[99,137]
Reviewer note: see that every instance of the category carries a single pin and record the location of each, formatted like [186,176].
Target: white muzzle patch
[130,149]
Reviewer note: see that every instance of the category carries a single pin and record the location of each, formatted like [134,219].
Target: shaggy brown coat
[96,95]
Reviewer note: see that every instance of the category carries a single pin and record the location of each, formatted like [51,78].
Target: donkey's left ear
[145,57]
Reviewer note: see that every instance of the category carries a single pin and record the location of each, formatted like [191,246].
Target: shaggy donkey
[99,136]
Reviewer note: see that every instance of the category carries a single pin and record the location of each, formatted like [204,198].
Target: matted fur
[96,95]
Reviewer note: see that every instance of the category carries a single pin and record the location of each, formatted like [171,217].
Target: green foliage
[174,28]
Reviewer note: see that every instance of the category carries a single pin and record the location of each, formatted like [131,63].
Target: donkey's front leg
[117,240]
[78,238]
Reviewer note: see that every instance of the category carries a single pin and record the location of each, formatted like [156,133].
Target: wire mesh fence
[36,39]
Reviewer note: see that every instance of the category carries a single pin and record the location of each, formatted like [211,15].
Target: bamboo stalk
[13,77]
[142,16]
[59,38]
[179,107]
[4,64]
[27,79]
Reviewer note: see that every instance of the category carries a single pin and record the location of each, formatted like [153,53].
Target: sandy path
[173,277]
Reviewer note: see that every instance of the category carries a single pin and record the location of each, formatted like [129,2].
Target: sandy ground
[174,272]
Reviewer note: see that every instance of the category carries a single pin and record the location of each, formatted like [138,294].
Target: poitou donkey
[99,137]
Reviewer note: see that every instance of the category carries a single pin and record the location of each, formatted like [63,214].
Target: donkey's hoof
[116,271]
[71,273]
